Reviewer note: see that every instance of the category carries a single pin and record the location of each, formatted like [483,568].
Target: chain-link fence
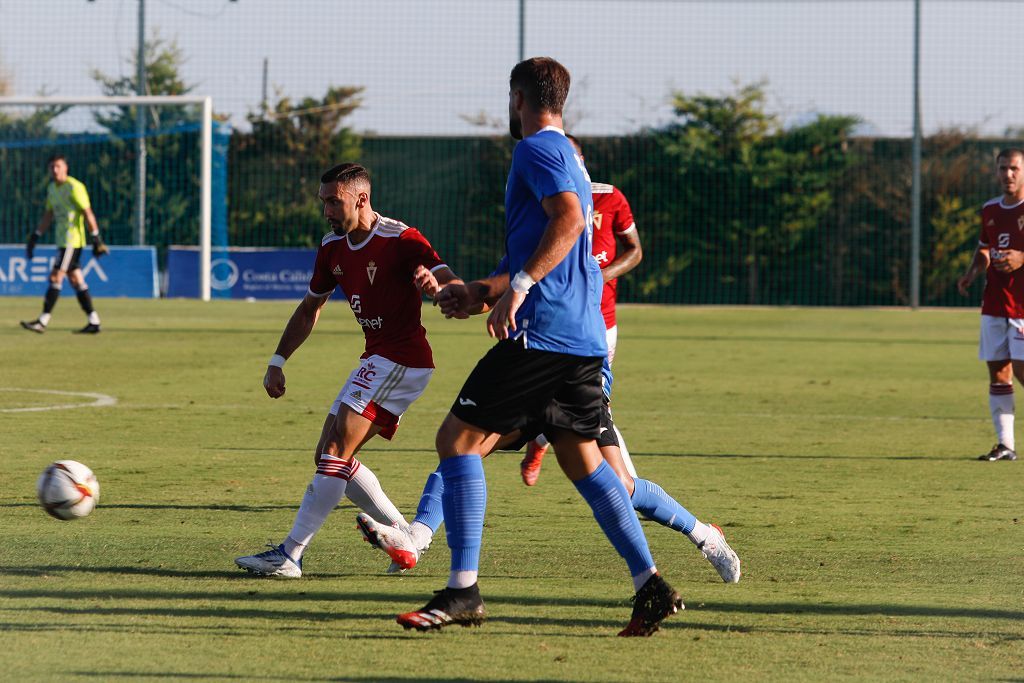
[764,145]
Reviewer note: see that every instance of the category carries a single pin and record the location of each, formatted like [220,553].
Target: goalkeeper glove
[98,248]
[30,246]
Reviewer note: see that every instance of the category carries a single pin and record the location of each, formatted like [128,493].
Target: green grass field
[836,448]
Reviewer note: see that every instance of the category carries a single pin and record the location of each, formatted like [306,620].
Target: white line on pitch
[100,400]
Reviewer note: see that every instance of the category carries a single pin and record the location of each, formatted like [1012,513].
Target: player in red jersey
[1000,255]
[614,227]
[383,267]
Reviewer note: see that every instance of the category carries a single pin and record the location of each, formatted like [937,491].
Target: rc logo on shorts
[367,372]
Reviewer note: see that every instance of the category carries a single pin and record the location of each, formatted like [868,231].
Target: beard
[515,127]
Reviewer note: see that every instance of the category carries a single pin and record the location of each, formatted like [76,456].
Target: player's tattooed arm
[430,283]
[478,296]
[1008,260]
[979,262]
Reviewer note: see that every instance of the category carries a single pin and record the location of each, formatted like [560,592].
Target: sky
[428,65]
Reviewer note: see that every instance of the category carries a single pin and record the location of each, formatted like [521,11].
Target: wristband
[522,282]
[277,360]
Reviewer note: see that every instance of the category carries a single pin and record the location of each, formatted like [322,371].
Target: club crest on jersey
[990,223]
[1020,223]
[371,271]
[597,220]
[338,271]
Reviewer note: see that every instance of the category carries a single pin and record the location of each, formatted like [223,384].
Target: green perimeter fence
[806,215]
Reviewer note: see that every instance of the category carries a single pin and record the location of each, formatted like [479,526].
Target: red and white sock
[365,491]
[322,495]
[1000,404]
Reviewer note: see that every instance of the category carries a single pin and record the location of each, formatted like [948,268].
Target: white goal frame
[206,154]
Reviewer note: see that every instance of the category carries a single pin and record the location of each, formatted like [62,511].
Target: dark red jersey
[376,277]
[612,217]
[1002,227]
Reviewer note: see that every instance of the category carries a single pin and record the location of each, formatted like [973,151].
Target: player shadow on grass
[206,676]
[173,506]
[257,593]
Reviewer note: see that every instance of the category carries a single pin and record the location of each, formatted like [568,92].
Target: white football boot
[393,540]
[716,551]
[274,562]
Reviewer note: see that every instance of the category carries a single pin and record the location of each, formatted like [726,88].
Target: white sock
[365,491]
[640,579]
[1001,405]
[322,495]
[94,318]
[699,533]
[541,440]
[624,452]
[421,534]
[464,578]
[44,318]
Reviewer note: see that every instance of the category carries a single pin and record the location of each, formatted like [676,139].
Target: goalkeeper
[68,210]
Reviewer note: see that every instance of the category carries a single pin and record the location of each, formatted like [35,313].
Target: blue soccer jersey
[562,312]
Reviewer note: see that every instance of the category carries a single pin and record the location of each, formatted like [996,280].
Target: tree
[748,190]
[172,151]
[273,189]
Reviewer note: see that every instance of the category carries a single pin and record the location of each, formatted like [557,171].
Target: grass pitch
[834,446]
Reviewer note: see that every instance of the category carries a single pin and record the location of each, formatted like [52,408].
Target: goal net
[149,180]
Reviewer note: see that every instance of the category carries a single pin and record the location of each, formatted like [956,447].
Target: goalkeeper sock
[609,502]
[49,301]
[322,495]
[464,501]
[85,301]
[652,502]
[365,491]
[1001,405]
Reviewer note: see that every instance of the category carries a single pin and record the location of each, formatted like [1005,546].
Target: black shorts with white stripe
[515,388]
[67,259]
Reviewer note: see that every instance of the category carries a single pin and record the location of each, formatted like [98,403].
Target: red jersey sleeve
[322,281]
[416,251]
[623,213]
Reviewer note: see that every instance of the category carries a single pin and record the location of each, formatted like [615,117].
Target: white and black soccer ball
[68,489]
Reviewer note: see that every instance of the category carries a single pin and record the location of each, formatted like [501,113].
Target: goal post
[205,157]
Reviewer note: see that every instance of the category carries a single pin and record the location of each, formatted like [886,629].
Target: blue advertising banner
[125,271]
[242,273]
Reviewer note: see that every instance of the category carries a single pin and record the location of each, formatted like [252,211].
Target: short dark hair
[576,141]
[346,173]
[56,156]
[544,82]
[1010,152]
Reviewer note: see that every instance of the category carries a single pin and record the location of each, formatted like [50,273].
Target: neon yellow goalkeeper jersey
[68,203]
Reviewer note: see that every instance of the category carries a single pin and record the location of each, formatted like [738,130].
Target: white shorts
[1001,338]
[381,384]
[611,336]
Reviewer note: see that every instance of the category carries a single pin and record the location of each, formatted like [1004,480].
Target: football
[68,489]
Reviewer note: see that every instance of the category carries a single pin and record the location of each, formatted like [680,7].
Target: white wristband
[277,360]
[522,282]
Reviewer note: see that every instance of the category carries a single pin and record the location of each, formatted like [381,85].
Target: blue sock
[652,502]
[609,501]
[430,511]
[464,501]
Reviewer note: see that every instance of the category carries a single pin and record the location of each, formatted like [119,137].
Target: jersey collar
[558,130]
[373,231]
